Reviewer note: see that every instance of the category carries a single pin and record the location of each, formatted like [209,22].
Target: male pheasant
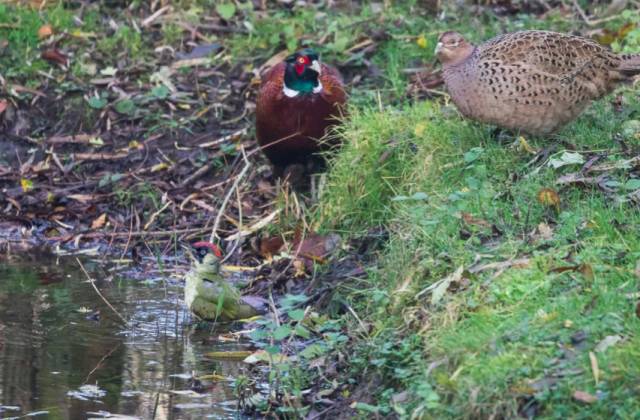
[533,81]
[298,100]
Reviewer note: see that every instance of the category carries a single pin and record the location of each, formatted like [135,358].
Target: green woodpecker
[208,295]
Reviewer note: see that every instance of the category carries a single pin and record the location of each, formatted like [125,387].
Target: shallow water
[59,356]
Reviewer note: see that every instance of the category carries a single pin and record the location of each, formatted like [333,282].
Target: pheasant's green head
[206,257]
[301,74]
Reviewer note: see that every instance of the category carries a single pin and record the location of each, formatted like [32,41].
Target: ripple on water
[53,352]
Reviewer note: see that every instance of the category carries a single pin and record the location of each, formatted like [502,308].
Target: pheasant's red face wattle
[301,63]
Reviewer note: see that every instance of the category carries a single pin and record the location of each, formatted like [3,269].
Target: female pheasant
[534,81]
[298,100]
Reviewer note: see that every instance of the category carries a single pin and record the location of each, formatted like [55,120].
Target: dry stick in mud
[100,294]
[223,206]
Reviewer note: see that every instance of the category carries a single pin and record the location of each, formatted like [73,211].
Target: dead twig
[223,206]
[100,294]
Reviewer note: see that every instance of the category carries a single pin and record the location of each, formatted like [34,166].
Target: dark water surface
[59,358]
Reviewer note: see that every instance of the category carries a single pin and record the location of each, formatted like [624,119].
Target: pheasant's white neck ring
[292,93]
[289,93]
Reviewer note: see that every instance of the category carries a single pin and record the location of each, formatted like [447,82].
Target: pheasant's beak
[315,66]
[439,46]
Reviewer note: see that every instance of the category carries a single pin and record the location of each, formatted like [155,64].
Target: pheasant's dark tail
[630,65]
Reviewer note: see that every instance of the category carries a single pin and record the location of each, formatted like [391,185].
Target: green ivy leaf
[125,106]
[97,103]
[282,332]
[160,92]
[473,154]
[632,184]
[296,314]
[313,350]
[302,332]
[226,10]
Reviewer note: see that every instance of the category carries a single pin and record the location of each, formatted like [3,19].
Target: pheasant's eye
[301,60]
[203,251]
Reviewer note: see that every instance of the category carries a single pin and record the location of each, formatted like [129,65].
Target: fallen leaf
[522,142]
[45,31]
[422,41]
[54,55]
[213,377]
[470,220]
[584,397]
[567,158]
[160,167]
[264,356]
[545,231]
[608,341]
[3,105]
[270,246]
[549,197]
[229,355]
[300,268]
[585,269]
[99,222]
[26,184]
[440,287]
[313,247]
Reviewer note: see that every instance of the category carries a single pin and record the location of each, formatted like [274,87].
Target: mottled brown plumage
[289,128]
[534,81]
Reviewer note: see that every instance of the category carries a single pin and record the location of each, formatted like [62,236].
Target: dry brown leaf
[270,246]
[584,397]
[300,268]
[84,198]
[99,222]
[470,220]
[314,247]
[54,55]
[549,197]
[585,269]
[45,31]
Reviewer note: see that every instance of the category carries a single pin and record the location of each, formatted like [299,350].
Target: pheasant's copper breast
[535,81]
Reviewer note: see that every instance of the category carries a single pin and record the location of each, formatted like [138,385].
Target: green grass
[493,337]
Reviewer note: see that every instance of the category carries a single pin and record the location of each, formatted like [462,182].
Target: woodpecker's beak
[439,46]
[189,251]
[315,66]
